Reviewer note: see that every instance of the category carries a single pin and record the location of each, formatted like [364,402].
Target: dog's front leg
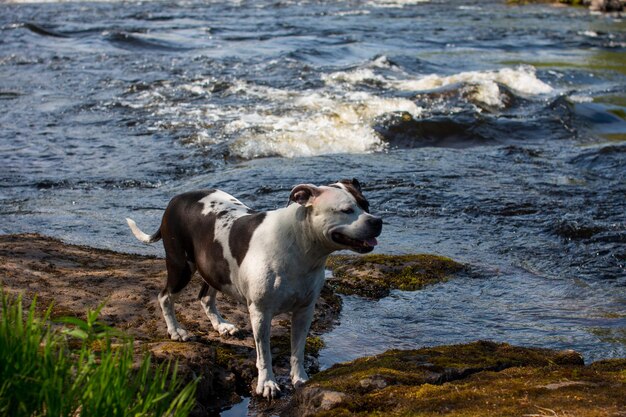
[261,325]
[300,324]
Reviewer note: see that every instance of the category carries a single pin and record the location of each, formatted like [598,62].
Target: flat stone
[565,384]
[374,382]
[316,400]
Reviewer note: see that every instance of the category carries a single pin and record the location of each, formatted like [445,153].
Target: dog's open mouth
[358,245]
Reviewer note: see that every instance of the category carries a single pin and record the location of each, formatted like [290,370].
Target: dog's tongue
[371,241]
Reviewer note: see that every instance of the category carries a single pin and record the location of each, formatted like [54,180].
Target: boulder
[480,378]
[374,276]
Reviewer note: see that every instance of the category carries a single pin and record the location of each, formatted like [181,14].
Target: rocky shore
[473,379]
[595,5]
[74,278]
[481,378]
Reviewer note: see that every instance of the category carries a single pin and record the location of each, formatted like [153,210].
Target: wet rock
[401,130]
[568,357]
[314,400]
[373,276]
[573,229]
[602,160]
[373,382]
[565,384]
[520,153]
[480,378]
[229,381]
[607,5]
[196,360]
[595,5]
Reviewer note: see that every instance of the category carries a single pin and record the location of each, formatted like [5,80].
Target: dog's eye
[348,210]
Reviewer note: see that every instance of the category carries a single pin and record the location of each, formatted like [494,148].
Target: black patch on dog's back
[218,271]
[189,235]
[241,233]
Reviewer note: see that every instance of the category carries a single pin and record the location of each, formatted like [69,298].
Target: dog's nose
[376,224]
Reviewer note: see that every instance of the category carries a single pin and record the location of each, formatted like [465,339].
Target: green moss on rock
[373,276]
[281,345]
[611,365]
[438,364]
[313,345]
[225,355]
[568,2]
[481,378]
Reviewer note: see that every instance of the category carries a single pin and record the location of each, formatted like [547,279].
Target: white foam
[357,76]
[486,93]
[589,33]
[319,135]
[381,62]
[261,91]
[364,74]
[480,87]
[395,3]
[323,122]
[369,106]
[352,13]
[337,118]
[580,98]
[196,89]
[522,80]
[317,124]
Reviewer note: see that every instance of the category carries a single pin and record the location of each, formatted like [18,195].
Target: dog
[272,261]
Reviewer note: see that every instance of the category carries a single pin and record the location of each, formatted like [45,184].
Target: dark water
[488,133]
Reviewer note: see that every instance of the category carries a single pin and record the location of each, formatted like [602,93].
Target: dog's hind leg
[174,329]
[179,272]
[208,296]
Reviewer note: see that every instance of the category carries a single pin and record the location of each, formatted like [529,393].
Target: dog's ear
[356,184]
[304,194]
[353,182]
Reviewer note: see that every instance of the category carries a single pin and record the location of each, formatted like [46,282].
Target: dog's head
[339,214]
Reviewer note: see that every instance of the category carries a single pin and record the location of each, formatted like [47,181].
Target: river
[489,133]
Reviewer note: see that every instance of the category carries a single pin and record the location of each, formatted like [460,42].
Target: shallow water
[514,307]
[488,133]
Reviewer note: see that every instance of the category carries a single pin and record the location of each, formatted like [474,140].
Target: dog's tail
[141,236]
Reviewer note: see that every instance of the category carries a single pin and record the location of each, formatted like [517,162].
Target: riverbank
[76,278]
[458,380]
[595,5]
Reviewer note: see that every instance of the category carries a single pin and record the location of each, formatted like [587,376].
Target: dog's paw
[227,329]
[298,382]
[268,389]
[298,376]
[179,334]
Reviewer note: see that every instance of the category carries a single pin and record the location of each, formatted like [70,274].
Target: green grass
[75,369]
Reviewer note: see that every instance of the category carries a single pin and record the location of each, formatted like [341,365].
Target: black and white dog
[271,261]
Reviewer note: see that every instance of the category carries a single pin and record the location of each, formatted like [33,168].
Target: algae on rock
[480,378]
[373,276]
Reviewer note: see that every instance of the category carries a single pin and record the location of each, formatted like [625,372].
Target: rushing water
[488,133]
